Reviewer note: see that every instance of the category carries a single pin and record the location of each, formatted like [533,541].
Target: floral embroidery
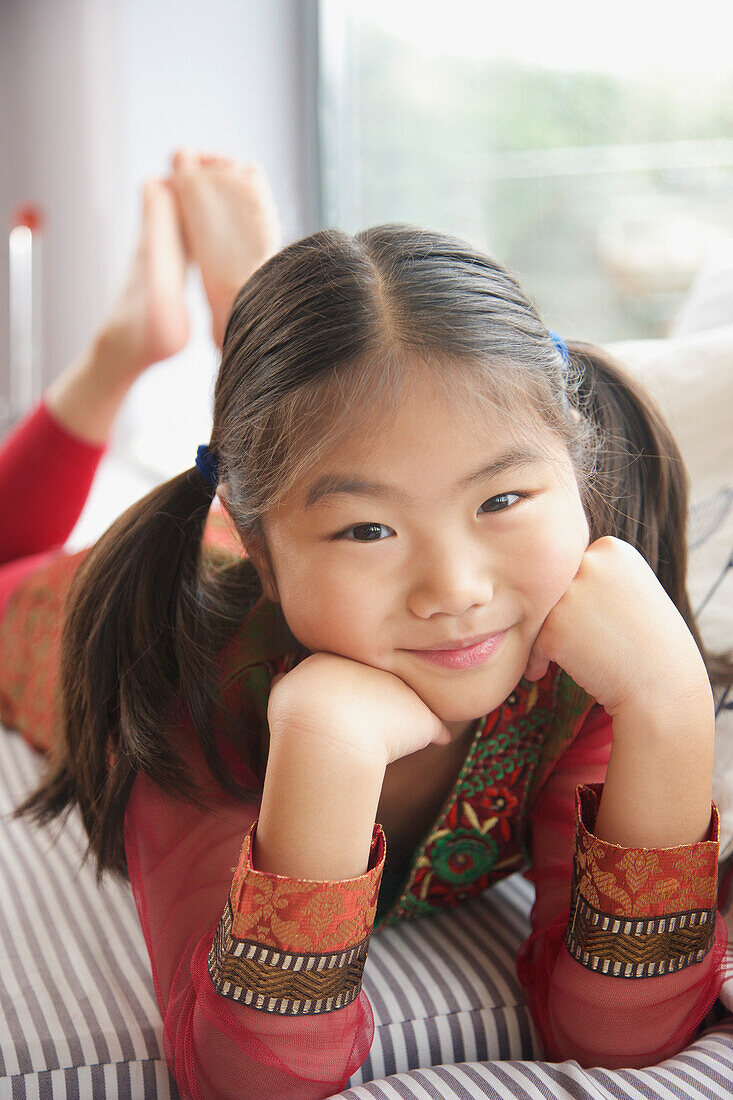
[481,833]
[463,855]
[30,645]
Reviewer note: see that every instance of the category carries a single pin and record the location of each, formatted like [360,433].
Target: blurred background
[591,150]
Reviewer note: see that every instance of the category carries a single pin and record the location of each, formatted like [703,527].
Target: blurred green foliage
[467,148]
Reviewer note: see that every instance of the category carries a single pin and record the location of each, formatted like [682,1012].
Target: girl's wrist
[658,785]
[686,697]
[332,745]
[318,808]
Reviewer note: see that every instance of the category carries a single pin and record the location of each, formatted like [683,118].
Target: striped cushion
[78,1015]
[703,1072]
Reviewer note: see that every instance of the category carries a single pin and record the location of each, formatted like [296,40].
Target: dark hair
[322,331]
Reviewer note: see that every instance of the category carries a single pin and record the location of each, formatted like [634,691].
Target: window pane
[591,154]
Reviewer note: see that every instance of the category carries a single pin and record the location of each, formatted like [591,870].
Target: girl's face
[427,552]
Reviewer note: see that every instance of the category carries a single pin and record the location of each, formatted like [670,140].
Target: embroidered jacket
[258,976]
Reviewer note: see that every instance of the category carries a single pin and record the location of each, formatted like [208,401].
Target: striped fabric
[78,1016]
[703,1072]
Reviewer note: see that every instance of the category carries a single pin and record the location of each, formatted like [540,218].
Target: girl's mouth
[470,657]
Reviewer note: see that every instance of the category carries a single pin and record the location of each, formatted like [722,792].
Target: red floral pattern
[301,914]
[30,645]
[641,882]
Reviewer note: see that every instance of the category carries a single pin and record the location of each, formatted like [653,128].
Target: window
[589,149]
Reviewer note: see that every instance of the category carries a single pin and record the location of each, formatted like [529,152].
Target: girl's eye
[502,501]
[364,532]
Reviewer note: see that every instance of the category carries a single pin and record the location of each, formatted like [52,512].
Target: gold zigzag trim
[285,983]
[642,948]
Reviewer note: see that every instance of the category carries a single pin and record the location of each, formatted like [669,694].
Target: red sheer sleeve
[257,976]
[625,956]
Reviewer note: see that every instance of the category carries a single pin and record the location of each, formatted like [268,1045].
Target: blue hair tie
[207,466]
[561,346]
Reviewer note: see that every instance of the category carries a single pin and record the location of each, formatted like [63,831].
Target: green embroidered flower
[463,856]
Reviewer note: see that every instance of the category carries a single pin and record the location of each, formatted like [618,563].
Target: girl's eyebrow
[330,485]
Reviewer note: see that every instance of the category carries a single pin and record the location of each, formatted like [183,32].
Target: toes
[157,194]
[183,160]
[153,190]
[161,225]
[211,160]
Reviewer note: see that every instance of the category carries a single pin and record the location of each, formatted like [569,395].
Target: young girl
[438,633]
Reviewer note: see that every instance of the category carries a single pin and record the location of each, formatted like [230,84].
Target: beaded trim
[285,983]
[643,948]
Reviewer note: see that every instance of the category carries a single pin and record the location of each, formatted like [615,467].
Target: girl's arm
[590,1015]
[658,786]
[258,940]
[219,930]
[624,961]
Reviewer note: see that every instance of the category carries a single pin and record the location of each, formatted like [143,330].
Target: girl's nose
[450,585]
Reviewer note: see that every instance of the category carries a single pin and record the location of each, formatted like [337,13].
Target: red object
[29,214]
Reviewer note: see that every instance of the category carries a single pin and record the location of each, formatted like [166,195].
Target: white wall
[94,96]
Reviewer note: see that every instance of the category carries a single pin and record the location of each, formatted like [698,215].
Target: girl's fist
[362,709]
[616,632]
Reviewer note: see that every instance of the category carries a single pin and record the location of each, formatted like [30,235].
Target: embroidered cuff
[640,912]
[291,946]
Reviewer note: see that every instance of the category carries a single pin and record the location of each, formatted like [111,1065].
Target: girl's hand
[618,634]
[362,709]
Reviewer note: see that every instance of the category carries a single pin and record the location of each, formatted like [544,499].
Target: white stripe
[498,1087]
[628,1085]
[538,1082]
[387,1091]
[415,1087]
[442,986]
[531,1087]
[417,1032]
[477,947]
[105,902]
[469,1035]
[399,1048]
[396,956]
[379,961]
[513,1023]
[32,1087]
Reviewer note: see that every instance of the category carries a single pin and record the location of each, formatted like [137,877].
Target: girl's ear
[257,553]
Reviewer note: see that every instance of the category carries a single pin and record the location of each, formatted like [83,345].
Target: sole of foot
[230,224]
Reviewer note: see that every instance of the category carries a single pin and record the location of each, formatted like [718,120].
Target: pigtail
[639,490]
[142,630]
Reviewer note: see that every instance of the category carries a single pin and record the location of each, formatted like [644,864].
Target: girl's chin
[472,704]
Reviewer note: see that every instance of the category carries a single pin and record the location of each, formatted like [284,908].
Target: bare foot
[230,225]
[149,321]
